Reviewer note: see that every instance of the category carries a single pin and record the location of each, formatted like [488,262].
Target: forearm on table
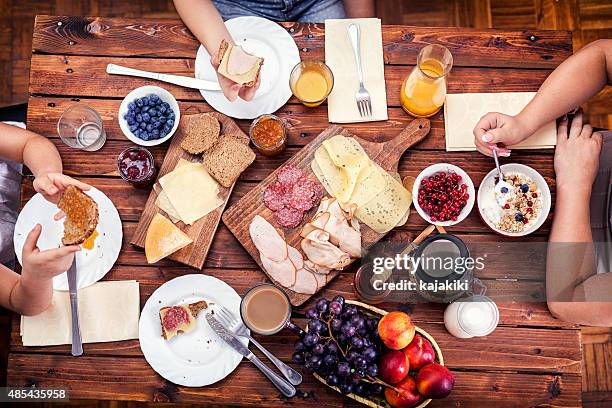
[574,82]
[359,8]
[210,34]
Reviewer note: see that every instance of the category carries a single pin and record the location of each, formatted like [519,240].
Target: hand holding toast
[52,185]
[231,89]
[45,264]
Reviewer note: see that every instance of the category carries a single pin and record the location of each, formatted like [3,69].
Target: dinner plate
[92,264]
[197,358]
[265,39]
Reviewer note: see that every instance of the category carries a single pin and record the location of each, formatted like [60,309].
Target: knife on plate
[279,382]
[187,82]
[77,344]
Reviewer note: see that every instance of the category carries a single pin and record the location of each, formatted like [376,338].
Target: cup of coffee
[265,309]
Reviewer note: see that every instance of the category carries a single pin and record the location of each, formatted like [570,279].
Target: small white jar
[475,316]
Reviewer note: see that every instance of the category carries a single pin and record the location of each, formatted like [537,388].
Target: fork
[238,328]
[364,102]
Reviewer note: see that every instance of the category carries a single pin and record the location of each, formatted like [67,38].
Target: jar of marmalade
[269,135]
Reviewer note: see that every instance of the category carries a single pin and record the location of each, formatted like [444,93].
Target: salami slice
[290,175]
[273,196]
[302,196]
[289,217]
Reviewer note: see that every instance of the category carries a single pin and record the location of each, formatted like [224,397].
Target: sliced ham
[320,251]
[282,272]
[240,62]
[267,240]
[305,282]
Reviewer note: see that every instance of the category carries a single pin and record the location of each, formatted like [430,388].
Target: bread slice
[81,215]
[163,238]
[202,133]
[179,319]
[228,158]
[238,65]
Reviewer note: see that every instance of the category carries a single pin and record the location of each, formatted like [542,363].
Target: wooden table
[531,359]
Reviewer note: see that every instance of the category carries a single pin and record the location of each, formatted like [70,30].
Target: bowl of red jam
[137,166]
[269,135]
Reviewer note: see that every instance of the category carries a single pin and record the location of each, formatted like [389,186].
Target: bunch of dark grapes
[342,346]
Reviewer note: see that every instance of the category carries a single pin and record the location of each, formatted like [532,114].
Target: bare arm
[29,148]
[359,8]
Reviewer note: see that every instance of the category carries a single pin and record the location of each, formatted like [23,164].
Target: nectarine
[435,381]
[407,397]
[396,330]
[419,352]
[393,367]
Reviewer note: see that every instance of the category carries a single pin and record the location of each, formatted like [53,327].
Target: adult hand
[52,185]
[45,264]
[231,89]
[576,155]
[496,131]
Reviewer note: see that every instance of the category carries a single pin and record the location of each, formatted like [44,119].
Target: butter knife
[187,82]
[279,382]
[77,344]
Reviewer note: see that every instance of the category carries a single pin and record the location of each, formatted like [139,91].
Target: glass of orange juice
[311,82]
[424,90]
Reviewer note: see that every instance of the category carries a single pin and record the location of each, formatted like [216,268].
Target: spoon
[501,184]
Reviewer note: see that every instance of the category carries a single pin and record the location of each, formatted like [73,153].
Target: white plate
[488,184]
[265,39]
[92,264]
[197,358]
[165,96]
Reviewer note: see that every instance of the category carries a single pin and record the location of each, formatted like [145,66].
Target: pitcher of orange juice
[424,90]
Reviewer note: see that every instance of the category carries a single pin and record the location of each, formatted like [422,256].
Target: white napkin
[108,311]
[463,111]
[341,104]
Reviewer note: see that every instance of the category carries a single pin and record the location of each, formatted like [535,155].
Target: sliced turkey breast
[267,240]
[305,282]
[283,272]
[320,251]
[240,62]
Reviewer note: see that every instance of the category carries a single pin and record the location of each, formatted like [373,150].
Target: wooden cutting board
[238,217]
[203,230]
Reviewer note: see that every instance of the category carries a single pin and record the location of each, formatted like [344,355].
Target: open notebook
[463,111]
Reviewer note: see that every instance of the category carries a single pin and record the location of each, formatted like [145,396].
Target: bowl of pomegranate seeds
[515,208]
[443,194]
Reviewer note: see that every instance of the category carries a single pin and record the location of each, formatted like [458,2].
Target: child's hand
[231,89]
[577,155]
[45,264]
[496,131]
[52,185]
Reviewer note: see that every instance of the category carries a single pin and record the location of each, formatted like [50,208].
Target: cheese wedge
[163,238]
[191,191]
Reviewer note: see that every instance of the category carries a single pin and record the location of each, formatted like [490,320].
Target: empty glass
[81,127]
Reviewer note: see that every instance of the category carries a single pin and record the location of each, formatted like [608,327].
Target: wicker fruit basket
[374,311]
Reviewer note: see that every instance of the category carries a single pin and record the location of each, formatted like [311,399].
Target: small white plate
[92,264]
[488,185]
[197,358]
[165,96]
[445,167]
[265,39]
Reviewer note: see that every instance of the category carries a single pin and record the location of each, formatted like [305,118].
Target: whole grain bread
[81,215]
[202,133]
[227,159]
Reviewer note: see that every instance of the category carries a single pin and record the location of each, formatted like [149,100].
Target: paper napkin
[463,111]
[341,105]
[108,311]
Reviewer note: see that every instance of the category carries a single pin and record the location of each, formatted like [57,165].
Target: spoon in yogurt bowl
[503,190]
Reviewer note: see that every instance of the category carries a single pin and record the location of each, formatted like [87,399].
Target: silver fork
[238,328]
[364,102]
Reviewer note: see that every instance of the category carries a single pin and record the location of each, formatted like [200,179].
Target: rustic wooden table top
[531,359]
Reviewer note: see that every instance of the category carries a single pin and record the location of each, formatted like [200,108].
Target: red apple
[407,397]
[396,330]
[434,381]
[393,367]
[419,352]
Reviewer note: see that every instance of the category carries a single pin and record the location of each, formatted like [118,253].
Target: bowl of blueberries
[149,115]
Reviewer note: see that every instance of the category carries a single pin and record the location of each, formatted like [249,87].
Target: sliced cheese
[162,202]
[348,158]
[370,182]
[388,208]
[191,191]
[163,238]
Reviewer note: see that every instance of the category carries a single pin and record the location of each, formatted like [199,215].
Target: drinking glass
[81,127]
[424,90]
[311,82]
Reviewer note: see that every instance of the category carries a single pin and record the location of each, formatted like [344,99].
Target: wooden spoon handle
[411,135]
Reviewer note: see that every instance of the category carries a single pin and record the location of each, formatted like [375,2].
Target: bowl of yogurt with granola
[517,207]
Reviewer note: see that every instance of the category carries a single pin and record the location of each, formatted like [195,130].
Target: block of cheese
[162,202]
[163,238]
[191,191]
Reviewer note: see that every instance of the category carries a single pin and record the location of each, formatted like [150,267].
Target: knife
[283,386]
[187,82]
[77,344]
